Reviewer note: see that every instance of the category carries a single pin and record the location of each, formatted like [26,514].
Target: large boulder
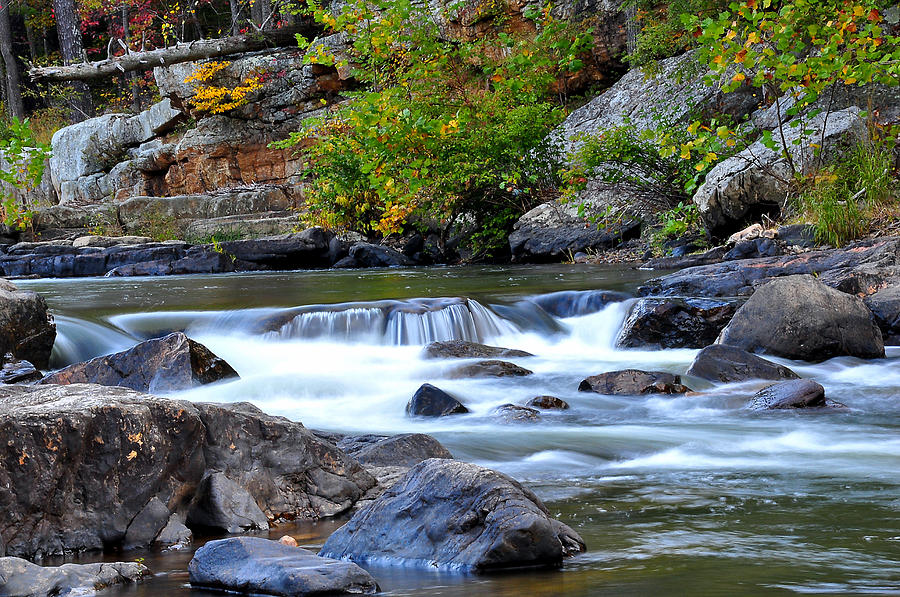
[21,578]
[27,330]
[431,401]
[461,349]
[85,464]
[797,393]
[861,268]
[257,566]
[757,180]
[632,382]
[451,514]
[675,322]
[554,232]
[798,317]
[885,306]
[167,364]
[728,364]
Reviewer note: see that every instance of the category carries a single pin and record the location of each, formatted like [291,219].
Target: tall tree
[13,80]
[79,101]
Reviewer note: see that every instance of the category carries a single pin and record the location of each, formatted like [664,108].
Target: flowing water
[673,495]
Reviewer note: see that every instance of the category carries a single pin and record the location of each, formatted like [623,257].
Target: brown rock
[632,382]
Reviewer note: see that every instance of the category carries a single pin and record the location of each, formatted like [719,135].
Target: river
[673,495]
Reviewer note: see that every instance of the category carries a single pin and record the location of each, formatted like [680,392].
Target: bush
[452,133]
[25,159]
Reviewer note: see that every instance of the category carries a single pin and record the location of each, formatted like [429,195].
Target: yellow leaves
[731,34]
[449,128]
[753,38]
[685,152]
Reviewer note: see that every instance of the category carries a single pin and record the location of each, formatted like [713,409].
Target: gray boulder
[257,566]
[221,505]
[756,180]
[798,393]
[455,515]
[167,364]
[885,306]
[728,364]
[798,317]
[489,369]
[633,382]
[407,449]
[514,413]
[27,330]
[21,578]
[461,349]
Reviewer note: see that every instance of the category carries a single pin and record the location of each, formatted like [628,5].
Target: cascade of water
[80,340]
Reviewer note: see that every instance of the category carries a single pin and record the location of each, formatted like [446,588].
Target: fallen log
[182,52]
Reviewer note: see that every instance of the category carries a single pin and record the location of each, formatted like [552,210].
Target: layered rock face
[91,467]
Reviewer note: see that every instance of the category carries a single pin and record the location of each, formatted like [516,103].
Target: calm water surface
[690,495]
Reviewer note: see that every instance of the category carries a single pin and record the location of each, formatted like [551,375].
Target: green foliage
[450,132]
[661,31]
[158,225]
[25,160]
[658,168]
[682,219]
[842,199]
[797,50]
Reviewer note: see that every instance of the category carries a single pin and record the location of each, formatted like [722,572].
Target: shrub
[26,159]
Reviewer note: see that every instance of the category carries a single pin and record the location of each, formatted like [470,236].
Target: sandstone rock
[798,393]
[221,505]
[488,369]
[675,322]
[255,225]
[728,364]
[430,401]
[552,232]
[405,450]
[548,403]
[88,460]
[167,364]
[21,578]
[798,317]
[89,147]
[861,268]
[307,249]
[451,514]
[631,382]
[513,413]
[755,181]
[257,566]
[110,241]
[461,349]
[27,330]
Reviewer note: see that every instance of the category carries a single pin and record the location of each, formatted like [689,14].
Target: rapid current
[690,495]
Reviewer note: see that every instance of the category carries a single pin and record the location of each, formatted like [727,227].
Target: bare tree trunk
[13,81]
[235,6]
[32,46]
[80,102]
[136,103]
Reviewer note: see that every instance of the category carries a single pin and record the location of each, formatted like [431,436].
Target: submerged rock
[798,393]
[21,578]
[675,322]
[27,330]
[431,401]
[798,317]
[633,382]
[727,364]
[167,364]
[572,303]
[489,369]
[257,566]
[548,403]
[462,349]
[451,514]
[89,462]
[513,413]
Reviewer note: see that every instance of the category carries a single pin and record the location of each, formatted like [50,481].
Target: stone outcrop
[167,364]
[407,449]
[257,566]
[27,330]
[756,180]
[461,349]
[454,515]
[800,318]
[885,306]
[84,464]
[728,364]
[488,369]
[861,268]
[21,578]
[632,382]
[675,322]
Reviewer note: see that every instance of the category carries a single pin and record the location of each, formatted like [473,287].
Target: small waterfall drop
[81,340]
